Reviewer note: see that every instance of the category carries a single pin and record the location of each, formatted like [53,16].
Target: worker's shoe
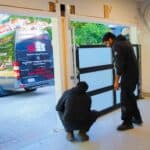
[82,136]
[137,121]
[125,126]
[70,136]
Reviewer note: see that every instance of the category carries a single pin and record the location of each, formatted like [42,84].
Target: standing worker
[127,70]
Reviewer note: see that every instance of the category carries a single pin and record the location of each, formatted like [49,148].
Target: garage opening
[94,63]
[28,116]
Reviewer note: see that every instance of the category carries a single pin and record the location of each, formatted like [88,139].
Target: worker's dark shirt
[125,61]
[75,105]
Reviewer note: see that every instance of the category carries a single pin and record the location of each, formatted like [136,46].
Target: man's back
[125,59]
[76,104]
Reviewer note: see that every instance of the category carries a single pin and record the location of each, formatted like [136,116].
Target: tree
[89,33]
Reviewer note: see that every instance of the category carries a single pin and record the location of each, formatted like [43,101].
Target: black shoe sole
[123,127]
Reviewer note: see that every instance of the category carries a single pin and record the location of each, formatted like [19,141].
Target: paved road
[26,118]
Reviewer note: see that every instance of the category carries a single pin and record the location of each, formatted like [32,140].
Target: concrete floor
[103,135]
[28,122]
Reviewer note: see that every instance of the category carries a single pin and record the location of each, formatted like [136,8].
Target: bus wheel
[30,89]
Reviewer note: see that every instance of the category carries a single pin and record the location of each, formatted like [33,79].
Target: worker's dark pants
[129,106]
[83,125]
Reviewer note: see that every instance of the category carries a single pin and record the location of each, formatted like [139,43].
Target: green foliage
[31,19]
[7,47]
[89,33]
[49,30]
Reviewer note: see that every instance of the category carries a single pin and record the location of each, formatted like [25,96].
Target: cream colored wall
[143,35]
[123,12]
[144,38]
[36,4]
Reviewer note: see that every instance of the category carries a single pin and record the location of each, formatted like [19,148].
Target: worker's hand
[116,85]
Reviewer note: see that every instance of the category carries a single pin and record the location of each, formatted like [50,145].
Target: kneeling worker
[74,111]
